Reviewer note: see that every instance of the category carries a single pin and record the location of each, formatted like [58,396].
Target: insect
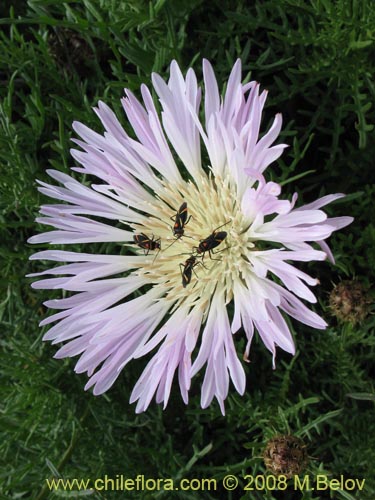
[211,242]
[143,241]
[187,268]
[180,220]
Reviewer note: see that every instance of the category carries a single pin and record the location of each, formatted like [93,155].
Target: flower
[231,235]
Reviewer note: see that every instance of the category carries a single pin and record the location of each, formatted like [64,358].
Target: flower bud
[285,455]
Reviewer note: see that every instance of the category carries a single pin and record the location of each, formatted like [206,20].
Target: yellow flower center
[213,205]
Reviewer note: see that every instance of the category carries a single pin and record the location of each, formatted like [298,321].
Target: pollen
[214,207]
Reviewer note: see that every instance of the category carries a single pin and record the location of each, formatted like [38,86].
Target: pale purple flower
[142,186]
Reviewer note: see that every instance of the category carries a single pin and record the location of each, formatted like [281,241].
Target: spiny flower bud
[69,49]
[349,301]
[285,455]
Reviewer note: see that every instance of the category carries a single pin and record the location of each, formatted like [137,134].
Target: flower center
[215,209]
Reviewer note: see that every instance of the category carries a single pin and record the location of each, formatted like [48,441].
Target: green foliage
[316,58]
